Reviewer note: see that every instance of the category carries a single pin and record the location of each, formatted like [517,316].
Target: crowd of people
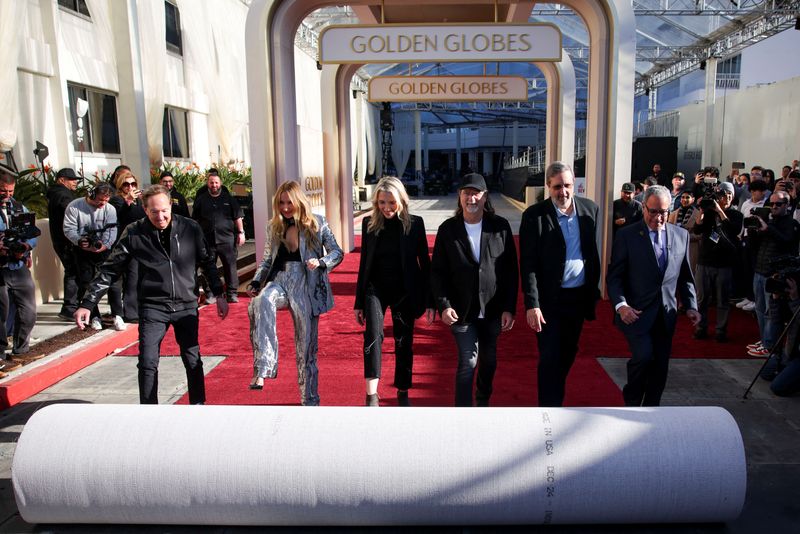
[678,247]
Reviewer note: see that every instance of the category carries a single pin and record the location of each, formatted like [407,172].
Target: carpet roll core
[249,465]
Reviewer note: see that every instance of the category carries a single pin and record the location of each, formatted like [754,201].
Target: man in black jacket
[560,268]
[474,281]
[58,198]
[179,204]
[168,250]
[221,219]
[719,225]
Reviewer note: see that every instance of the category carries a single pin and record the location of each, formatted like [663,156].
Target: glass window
[100,124]
[175,132]
[173,23]
[78,6]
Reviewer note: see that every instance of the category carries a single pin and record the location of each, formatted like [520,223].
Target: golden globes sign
[395,43]
[448,89]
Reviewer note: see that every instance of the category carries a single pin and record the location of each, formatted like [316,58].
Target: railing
[664,125]
[535,158]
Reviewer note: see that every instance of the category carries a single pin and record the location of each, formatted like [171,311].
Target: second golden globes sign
[448,89]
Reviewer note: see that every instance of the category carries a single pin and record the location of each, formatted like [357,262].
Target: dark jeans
[403,332]
[87,265]
[153,326]
[788,380]
[227,254]
[558,345]
[477,347]
[714,283]
[649,364]
[20,290]
[67,256]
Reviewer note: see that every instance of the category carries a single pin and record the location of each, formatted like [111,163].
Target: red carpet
[341,367]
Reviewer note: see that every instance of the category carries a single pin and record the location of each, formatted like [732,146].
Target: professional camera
[751,222]
[783,268]
[710,195]
[91,239]
[22,228]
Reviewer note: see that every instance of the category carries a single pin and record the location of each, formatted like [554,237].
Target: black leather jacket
[163,282]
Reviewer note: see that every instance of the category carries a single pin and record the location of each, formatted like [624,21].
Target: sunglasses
[778,204]
[128,183]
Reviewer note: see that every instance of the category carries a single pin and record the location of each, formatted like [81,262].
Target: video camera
[751,222]
[782,268]
[91,239]
[711,194]
[22,227]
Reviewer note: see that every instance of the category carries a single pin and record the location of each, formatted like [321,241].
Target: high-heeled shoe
[257,383]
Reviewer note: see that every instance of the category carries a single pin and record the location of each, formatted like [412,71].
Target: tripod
[774,351]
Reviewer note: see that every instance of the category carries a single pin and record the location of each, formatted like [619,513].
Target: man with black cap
[179,204]
[474,281]
[627,210]
[58,198]
[560,268]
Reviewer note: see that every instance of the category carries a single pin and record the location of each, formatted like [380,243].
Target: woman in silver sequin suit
[300,251]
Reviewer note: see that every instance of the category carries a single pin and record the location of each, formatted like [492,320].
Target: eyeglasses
[686,197]
[655,212]
[778,204]
[128,184]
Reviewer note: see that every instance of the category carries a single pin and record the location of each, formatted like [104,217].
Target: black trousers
[87,265]
[153,326]
[558,345]
[19,288]
[67,256]
[402,330]
[648,367]
[227,254]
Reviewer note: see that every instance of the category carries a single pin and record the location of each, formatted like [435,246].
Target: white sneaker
[96,324]
[119,324]
[749,307]
[742,303]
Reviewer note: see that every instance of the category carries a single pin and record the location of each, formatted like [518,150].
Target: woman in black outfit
[394,272]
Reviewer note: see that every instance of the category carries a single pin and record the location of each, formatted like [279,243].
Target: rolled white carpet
[249,465]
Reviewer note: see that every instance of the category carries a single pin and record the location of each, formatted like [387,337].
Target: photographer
[719,224]
[90,223]
[770,239]
[15,257]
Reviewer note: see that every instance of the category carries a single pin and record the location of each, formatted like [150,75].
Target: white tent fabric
[402,141]
[10,31]
[251,465]
[153,43]
[218,53]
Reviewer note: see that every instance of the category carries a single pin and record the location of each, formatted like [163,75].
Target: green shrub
[190,178]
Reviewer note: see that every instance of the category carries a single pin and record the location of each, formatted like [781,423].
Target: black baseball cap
[67,173]
[628,187]
[473,180]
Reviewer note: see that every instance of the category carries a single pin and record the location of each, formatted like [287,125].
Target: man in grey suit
[649,264]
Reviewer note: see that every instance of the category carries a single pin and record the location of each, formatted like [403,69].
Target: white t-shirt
[474,236]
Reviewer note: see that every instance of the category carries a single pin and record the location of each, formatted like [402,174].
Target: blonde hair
[121,177]
[303,218]
[393,186]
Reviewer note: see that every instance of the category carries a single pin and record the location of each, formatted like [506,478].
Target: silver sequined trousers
[287,290]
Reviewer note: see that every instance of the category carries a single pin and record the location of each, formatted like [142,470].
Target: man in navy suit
[649,264]
[474,281]
[560,268]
